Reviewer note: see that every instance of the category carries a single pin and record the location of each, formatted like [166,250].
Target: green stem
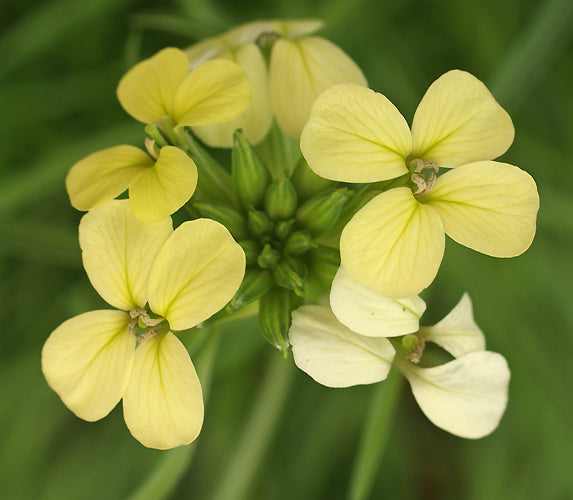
[531,55]
[246,460]
[174,463]
[375,435]
[214,182]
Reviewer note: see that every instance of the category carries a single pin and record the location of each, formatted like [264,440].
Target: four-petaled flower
[161,87]
[160,281]
[301,67]
[395,243]
[347,346]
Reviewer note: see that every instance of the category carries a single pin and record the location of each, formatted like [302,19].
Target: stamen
[423,175]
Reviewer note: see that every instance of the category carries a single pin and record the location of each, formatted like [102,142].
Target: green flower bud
[323,263]
[255,284]
[283,228]
[320,213]
[307,183]
[281,199]
[230,217]
[291,273]
[250,174]
[275,309]
[259,223]
[268,257]
[251,250]
[299,242]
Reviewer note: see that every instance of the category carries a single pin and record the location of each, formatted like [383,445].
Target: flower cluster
[357,223]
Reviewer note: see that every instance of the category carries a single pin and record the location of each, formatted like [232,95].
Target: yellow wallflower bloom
[466,397]
[160,281]
[395,243]
[301,67]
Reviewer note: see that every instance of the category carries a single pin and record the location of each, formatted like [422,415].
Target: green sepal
[275,309]
[230,217]
[320,213]
[283,228]
[291,273]
[255,284]
[251,250]
[299,242]
[307,183]
[268,257]
[259,223]
[250,175]
[323,263]
[281,199]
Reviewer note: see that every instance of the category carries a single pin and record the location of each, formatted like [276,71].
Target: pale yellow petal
[205,50]
[300,71]
[466,397]
[488,206]
[458,332]
[355,135]
[87,360]
[103,175]
[368,313]
[214,92]
[393,245]
[332,354]
[118,251]
[195,274]
[257,120]
[458,121]
[250,32]
[163,189]
[147,90]
[163,404]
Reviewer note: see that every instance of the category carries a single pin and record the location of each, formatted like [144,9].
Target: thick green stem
[262,422]
[375,435]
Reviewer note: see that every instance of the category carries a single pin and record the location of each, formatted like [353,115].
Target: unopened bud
[268,257]
[259,223]
[320,213]
[250,175]
[299,242]
[307,183]
[251,250]
[283,228]
[275,309]
[255,284]
[230,217]
[280,199]
[291,273]
[323,264]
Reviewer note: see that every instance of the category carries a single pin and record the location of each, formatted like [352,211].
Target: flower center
[423,175]
[143,326]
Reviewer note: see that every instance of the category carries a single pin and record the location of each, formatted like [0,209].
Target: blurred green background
[271,432]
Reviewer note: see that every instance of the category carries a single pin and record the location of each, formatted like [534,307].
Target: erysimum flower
[301,67]
[160,281]
[159,88]
[466,396]
[395,243]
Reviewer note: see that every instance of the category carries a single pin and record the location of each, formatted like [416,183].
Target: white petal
[163,404]
[332,354]
[466,397]
[87,360]
[457,333]
[369,313]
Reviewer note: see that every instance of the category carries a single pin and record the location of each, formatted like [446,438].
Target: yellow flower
[159,87]
[163,85]
[301,67]
[157,188]
[160,281]
[395,243]
[466,396]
